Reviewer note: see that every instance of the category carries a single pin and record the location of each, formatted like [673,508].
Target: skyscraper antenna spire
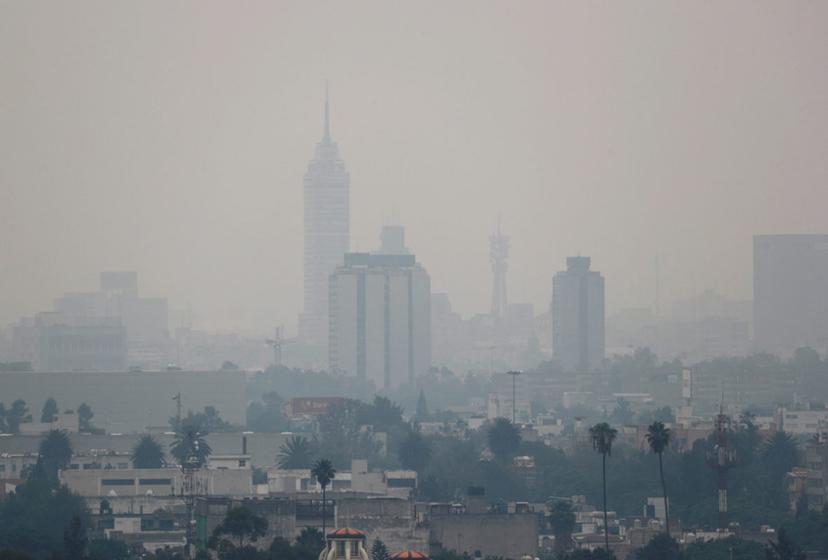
[327,114]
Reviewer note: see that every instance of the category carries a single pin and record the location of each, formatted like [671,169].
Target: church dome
[346,533]
[409,555]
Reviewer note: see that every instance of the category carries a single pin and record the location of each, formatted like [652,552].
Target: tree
[13,555]
[504,439]
[731,548]
[308,544]
[74,539]
[189,446]
[148,454]
[784,548]
[414,452]
[55,452]
[296,453]
[562,519]
[242,523]
[85,415]
[17,414]
[379,551]
[3,427]
[108,549]
[324,473]
[50,411]
[422,407]
[660,547]
[658,437]
[602,436]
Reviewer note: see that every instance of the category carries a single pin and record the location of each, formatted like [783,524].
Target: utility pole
[177,399]
[189,490]
[721,460]
[514,374]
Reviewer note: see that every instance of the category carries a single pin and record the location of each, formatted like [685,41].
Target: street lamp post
[514,374]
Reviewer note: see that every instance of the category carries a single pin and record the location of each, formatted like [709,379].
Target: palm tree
[147,454]
[297,453]
[602,436]
[189,446]
[324,473]
[658,436]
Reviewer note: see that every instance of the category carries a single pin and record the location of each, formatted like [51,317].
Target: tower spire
[327,115]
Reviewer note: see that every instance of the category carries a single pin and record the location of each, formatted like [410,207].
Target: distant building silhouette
[790,292]
[327,218]
[498,256]
[578,316]
[380,318]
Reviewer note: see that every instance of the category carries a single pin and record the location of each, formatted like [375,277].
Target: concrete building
[380,318]
[80,344]
[578,316]
[790,292]
[500,403]
[327,233]
[93,483]
[131,401]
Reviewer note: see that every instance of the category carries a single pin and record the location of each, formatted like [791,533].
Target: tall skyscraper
[498,255]
[380,318]
[327,219]
[790,292]
[578,316]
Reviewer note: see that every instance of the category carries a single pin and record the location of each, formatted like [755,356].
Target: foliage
[266,416]
[731,548]
[189,446]
[33,518]
[379,551]
[55,452]
[207,422]
[504,439]
[562,519]
[343,437]
[296,453]
[660,547]
[658,438]
[784,548]
[414,452]
[49,412]
[74,539]
[324,472]
[85,416]
[309,543]
[585,554]
[148,454]
[17,414]
[241,523]
[810,529]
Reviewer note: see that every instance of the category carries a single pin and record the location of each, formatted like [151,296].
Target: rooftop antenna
[327,114]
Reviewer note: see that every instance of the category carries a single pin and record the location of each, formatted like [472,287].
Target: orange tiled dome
[409,555]
[346,533]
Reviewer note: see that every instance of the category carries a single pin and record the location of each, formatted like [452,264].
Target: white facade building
[578,316]
[380,318]
[327,233]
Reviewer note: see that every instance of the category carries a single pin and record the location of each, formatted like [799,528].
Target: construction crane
[277,342]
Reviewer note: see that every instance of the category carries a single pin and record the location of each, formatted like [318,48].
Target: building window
[354,552]
[118,482]
[155,481]
[340,549]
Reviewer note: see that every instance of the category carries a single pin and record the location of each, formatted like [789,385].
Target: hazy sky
[172,137]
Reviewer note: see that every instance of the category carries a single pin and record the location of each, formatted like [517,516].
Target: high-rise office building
[327,185]
[380,318]
[790,292]
[498,256]
[578,316]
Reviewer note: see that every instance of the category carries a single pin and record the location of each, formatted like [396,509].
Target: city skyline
[201,133]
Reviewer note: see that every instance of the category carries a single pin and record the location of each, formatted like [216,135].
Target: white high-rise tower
[498,256]
[327,234]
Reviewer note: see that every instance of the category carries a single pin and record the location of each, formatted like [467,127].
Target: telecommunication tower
[721,460]
[277,343]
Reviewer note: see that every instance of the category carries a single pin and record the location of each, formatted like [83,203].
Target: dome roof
[409,555]
[346,533]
